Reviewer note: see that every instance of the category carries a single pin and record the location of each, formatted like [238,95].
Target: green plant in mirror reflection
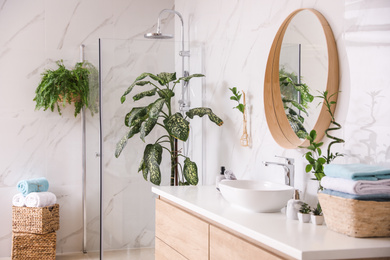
[160,113]
[296,98]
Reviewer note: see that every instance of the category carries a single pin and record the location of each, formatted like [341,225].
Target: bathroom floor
[131,254]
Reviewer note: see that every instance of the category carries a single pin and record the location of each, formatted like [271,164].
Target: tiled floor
[130,254]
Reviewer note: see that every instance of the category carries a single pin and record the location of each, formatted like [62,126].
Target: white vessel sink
[256,196]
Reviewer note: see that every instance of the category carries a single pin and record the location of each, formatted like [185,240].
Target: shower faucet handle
[184,53]
[288,160]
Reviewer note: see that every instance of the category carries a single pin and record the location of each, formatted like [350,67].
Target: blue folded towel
[371,197]
[34,185]
[357,171]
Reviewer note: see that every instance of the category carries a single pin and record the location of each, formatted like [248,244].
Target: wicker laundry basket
[33,246]
[356,218]
[35,220]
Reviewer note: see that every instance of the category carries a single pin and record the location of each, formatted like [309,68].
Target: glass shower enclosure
[126,201]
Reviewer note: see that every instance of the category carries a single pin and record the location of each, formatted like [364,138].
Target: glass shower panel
[127,201]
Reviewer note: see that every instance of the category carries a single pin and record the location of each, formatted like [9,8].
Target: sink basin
[256,196]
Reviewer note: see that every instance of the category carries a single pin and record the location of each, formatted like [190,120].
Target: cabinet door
[224,245]
[182,231]
[165,252]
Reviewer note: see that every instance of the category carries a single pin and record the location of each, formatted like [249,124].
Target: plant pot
[317,219]
[304,218]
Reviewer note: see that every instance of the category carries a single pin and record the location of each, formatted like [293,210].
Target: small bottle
[220,177]
[293,206]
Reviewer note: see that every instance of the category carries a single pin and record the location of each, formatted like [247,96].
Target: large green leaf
[155,108]
[122,143]
[147,126]
[147,93]
[189,77]
[142,167]
[190,172]
[166,77]
[201,111]
[152,159]
[129,89]
[136,112]
[166,94]
[177,126]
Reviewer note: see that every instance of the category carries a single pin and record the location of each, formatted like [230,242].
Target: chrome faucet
[288,169]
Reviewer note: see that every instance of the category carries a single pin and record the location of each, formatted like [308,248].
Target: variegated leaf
[122,143]
[147,93]
[136,112]
[190,172]
[142,168]
[201,111]
[147,126]
[177,126]
[155,108]
[167,77]
[166,94]
[129,89]
[152,159]
[189,77]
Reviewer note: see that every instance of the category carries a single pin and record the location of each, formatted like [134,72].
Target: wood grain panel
[182,231]
[165,252]
[224,245]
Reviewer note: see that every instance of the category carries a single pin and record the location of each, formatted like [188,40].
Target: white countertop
[299,240]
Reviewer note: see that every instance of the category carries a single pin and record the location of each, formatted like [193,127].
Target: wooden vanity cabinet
[181,235]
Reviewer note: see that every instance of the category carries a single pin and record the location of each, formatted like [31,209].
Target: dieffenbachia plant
[142,120]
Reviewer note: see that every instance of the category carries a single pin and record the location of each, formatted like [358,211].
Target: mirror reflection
[303,71]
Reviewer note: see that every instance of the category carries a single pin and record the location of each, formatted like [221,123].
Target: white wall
[238,36]
[34,33]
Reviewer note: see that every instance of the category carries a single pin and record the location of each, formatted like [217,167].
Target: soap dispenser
[293,206]
[220,177]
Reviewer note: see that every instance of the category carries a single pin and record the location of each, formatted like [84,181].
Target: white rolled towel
[40,199]
[361,187]
[19,200]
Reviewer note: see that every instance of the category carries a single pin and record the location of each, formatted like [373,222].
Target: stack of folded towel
[357,181]
[34,193]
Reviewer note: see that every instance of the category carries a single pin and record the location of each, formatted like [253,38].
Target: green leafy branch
[142,120]
[236,97]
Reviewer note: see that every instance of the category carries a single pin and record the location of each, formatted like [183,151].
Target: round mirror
[302,63]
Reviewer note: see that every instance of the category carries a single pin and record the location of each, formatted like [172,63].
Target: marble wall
[40,143]
[238,35]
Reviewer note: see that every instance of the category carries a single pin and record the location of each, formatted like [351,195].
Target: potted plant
[61,86]
[304,213]
[160,113]
[316,160]
[317,218]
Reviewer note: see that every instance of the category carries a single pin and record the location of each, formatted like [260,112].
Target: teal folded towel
[371,197]
[34,185]
[357,171]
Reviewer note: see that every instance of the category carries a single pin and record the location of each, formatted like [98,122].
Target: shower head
[158,35]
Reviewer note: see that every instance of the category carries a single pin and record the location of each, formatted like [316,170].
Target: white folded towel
[19,200]
[361,187]
[40,199]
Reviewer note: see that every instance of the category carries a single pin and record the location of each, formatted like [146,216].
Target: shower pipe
[184,102]
[84,167]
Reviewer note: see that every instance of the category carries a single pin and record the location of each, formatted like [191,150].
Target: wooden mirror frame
[277,121]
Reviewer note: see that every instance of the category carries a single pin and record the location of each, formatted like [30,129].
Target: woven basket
[32,246]
[35,220]
[356,218]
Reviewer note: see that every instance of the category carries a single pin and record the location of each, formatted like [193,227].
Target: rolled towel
[357,171]
[34,185]
[19,200]
[361,187]
[40,199]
